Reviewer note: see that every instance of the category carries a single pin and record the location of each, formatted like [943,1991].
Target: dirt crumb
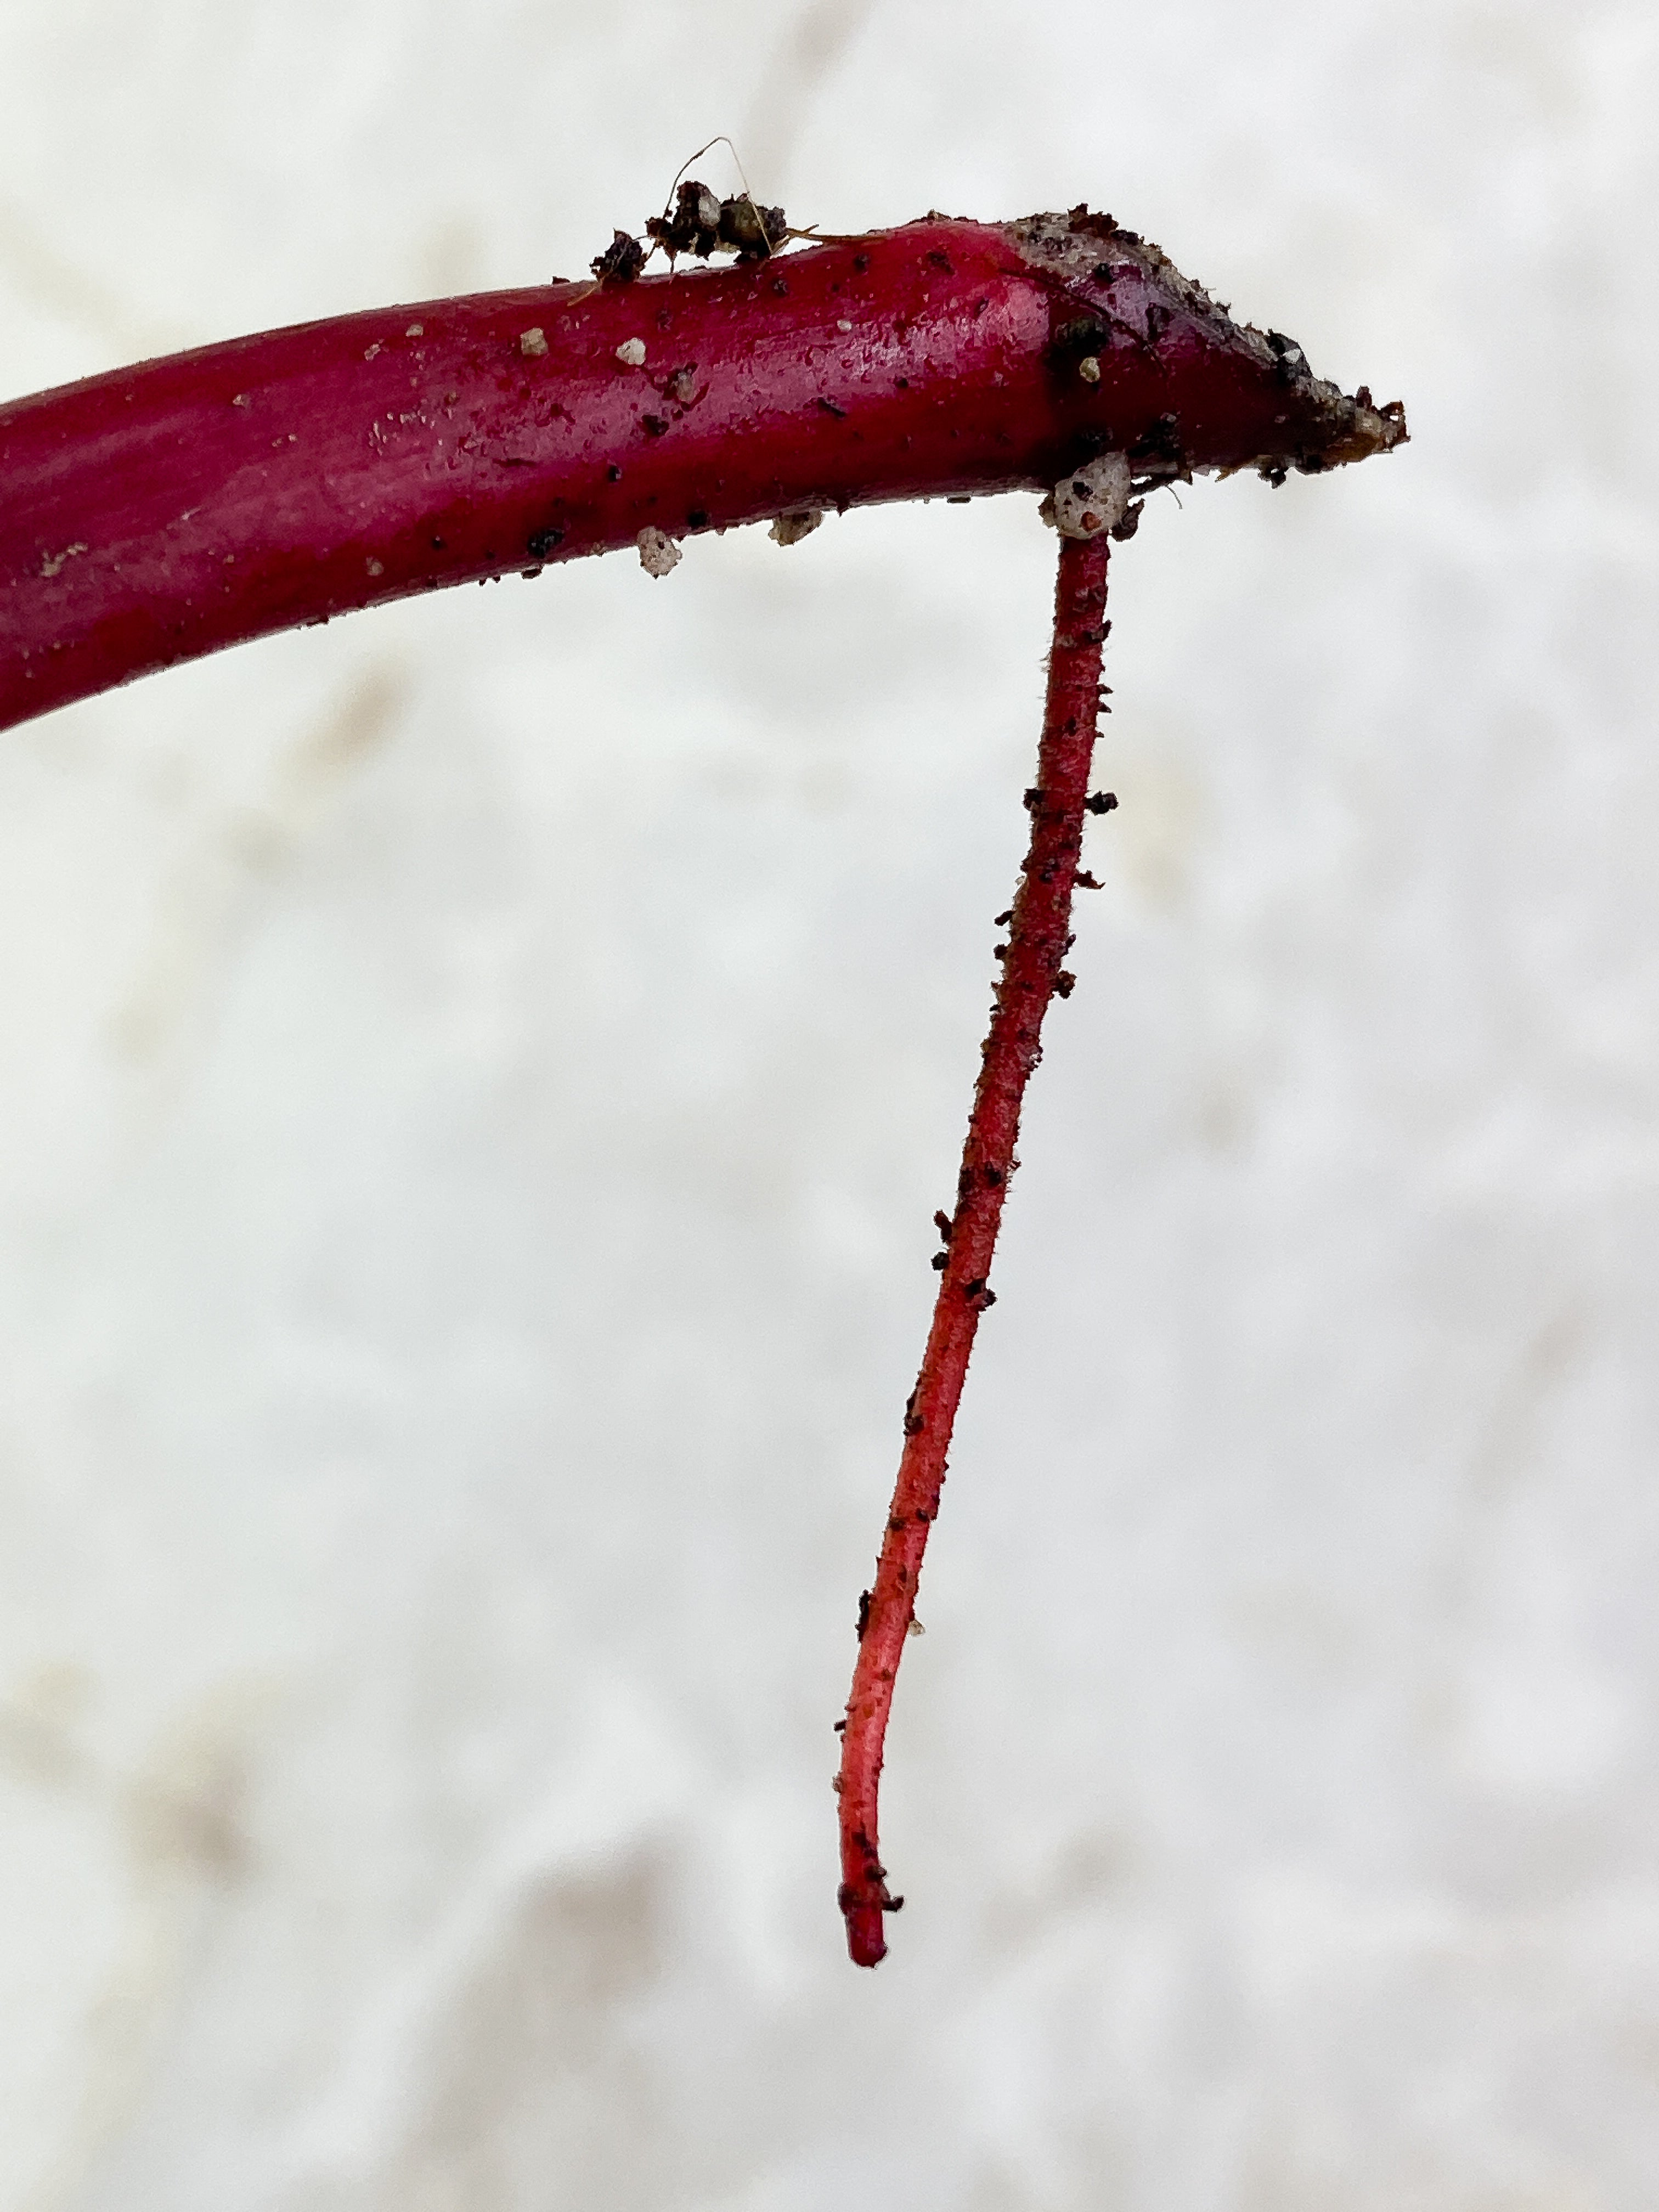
[790,529]
[659,555]
[1093,498]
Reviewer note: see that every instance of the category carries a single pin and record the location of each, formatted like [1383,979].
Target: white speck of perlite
[415,331]
[1095,497]
[369,352]
[375,567]
[658,552]
[843,326]
[531,343]
[631,353]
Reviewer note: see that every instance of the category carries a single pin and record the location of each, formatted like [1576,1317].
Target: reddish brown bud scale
[164,511]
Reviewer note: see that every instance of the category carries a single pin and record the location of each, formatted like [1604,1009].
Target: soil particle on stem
[1091,499]
[621,262]
[659,555]
[790,529]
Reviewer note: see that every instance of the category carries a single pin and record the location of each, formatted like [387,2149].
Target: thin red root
[1038,939]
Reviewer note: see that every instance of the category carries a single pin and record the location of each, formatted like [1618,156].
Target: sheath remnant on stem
[1039,937]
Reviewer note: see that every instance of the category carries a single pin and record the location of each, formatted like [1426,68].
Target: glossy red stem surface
[161,511]
[1039,936]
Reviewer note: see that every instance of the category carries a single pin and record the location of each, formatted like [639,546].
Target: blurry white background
[474,1082]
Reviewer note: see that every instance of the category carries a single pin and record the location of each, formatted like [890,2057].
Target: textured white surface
[473,1086]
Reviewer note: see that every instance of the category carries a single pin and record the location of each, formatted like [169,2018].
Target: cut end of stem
[1261,396]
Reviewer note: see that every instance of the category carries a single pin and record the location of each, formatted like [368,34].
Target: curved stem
[164,511]
[1038,937]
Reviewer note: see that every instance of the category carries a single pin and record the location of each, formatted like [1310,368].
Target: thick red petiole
[164,511]
[1039,934]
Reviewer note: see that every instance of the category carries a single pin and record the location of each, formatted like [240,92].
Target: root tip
[866,1945]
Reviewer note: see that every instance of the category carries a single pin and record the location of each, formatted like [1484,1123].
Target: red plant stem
[168,510]
[162,511]
[1038,937]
